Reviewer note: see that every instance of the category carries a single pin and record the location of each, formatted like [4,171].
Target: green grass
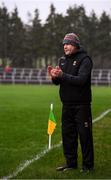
[101,99]
[24,111]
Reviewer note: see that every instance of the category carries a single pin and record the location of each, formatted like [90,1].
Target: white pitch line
[101,116]
[26,163]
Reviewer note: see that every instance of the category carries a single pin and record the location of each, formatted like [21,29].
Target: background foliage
[36,44]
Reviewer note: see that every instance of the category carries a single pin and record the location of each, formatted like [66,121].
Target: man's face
[69,49]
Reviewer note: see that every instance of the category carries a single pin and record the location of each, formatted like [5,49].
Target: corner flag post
[49,141]
[51,109]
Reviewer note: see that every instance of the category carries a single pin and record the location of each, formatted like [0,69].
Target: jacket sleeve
[82,76]
[56,81]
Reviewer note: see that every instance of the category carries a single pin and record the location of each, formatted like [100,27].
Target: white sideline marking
[23,165]
[101,116]
[26,163]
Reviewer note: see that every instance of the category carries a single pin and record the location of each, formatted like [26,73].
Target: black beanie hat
[71,38]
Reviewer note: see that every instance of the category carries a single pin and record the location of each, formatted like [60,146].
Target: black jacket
[75,83]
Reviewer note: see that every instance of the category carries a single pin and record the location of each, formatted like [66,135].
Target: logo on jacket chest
[62,64]
[74,62]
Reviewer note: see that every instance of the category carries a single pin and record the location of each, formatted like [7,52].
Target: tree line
[37,45]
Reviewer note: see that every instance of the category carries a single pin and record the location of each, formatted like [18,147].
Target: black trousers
[77,123]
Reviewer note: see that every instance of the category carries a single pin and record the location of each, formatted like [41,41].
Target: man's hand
[59,72]
[55,72]
[49,70]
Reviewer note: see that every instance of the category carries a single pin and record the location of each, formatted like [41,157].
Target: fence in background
[101,77]
[40,76]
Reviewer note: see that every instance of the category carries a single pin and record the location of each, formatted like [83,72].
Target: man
[74,77]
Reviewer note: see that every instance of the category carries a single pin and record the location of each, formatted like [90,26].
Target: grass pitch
[24,112]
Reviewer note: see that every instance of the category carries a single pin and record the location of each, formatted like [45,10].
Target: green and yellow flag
[51,122]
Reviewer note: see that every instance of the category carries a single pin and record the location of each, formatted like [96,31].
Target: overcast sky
[25,6]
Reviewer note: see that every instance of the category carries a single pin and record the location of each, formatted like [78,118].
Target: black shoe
[65,168]
[87,170]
